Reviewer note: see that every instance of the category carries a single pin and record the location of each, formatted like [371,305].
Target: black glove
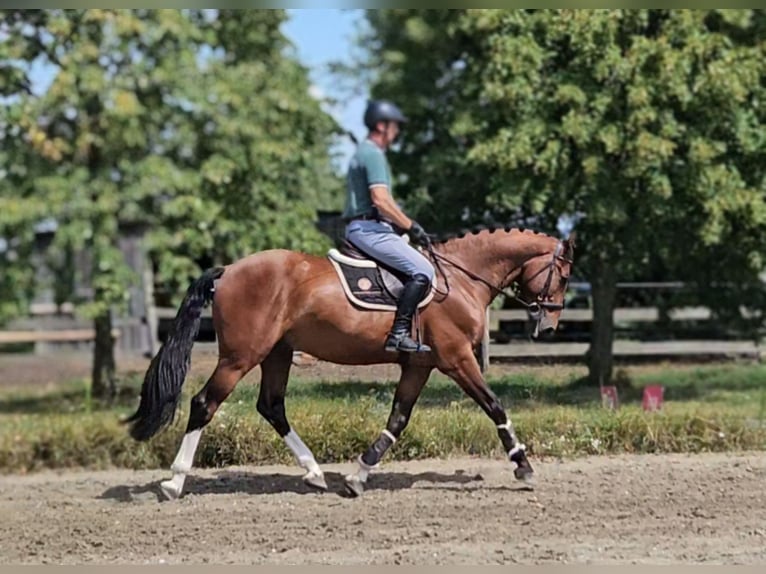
[418,235]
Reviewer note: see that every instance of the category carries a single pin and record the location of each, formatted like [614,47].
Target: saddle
[368,283]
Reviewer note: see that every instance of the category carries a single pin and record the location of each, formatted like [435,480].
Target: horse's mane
[475,230]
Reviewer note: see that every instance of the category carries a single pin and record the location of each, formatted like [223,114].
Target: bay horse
[271,303]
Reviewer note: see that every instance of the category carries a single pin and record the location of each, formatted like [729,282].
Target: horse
[271,303]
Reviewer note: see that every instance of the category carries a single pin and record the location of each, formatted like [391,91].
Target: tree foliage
[649,124]
[196,125]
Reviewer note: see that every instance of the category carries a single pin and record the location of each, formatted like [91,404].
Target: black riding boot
[399,338]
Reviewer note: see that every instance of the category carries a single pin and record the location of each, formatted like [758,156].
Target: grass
[707,408]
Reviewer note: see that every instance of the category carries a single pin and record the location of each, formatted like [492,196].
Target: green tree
[192,123]
[648,123]
[416,58]
[19,209]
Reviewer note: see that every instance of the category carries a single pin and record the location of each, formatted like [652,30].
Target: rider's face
[393,131]
[390,132]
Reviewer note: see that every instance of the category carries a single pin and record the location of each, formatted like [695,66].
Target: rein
[534,308]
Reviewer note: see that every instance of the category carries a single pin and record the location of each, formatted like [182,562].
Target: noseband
[534,308]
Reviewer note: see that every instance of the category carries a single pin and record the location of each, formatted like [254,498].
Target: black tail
[167,371]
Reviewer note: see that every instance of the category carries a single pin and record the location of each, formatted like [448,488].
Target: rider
[371,214]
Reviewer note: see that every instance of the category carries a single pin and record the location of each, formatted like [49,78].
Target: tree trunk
[604,295]
[104,384]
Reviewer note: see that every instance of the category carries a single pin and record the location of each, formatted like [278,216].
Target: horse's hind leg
[411,383]
[204,404]
[275,372]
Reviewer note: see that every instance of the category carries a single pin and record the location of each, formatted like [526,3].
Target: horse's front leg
[464,369]
[411,383]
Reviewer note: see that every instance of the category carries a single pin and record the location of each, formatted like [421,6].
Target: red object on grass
[653,396]
[609,397]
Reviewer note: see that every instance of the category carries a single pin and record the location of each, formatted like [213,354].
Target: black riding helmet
[382,111]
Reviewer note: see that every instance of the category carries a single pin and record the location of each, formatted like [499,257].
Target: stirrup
[394,343]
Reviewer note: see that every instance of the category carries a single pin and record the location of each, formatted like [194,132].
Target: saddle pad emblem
[364,284]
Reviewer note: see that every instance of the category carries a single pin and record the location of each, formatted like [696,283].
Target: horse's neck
[497,257]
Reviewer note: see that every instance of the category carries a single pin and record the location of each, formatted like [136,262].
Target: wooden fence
[657,347]
[50,328]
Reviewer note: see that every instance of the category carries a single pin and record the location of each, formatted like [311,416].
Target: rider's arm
[387,207]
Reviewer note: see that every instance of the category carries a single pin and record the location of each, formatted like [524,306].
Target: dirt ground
[625,509]
[609,510]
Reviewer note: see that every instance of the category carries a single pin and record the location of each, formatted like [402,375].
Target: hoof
[316,481]
[525,475]
[354,486]
[170,490]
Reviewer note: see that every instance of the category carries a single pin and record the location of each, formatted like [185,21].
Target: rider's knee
[426,270]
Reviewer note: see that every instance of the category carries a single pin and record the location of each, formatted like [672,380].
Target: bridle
[534,308]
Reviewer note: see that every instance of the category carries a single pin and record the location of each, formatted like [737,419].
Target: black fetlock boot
[399,338]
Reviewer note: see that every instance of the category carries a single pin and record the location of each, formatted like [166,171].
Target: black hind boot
[399,338]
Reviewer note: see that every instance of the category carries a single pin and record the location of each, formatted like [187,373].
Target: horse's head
[543,284]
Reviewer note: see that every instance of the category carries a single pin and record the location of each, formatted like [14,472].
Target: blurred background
[141,146]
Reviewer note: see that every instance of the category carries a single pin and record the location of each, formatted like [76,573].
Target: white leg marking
[302,453]
[364,470]
[362,474]
[182,464]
